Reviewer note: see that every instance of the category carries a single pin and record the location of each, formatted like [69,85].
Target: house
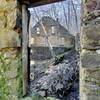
[59,37]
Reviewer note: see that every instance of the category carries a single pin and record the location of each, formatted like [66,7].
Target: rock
[91,6]
[90,60]
[14,18]
[11,74]
[98,51]
[27,98]
[9,38]
[2,20]
[59,86]
[13,85]
[38,97]
[59,78]
[42,93]
[50,98]
[32,76]
[13,97]
[7,4]
[91,35]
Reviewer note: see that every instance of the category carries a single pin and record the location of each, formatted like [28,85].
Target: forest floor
[59,79]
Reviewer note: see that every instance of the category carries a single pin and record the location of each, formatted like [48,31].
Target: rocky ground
[59,80]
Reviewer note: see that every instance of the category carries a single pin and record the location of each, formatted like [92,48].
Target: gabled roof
[48,22]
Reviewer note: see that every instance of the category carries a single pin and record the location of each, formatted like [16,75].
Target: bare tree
[68,15]
[76,19]
[54,10]
[64,10]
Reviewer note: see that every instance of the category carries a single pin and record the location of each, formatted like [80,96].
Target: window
[38,30]
[61,41]
[53,29]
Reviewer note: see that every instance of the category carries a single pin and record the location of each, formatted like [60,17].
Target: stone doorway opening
[51,25]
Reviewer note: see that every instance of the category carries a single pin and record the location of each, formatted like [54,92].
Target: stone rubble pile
[59,80]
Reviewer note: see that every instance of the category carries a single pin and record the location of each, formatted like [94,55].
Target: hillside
[59,80]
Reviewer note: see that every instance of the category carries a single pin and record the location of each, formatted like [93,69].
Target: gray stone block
[9,38]
[2,20]
[14,18]
[90,60]
[90,6]
[91,35]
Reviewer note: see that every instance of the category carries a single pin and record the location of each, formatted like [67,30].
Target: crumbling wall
[90,51]
[10,51]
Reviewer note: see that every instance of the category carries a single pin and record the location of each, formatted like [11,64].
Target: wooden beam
[34,3]
[25,49]
[43,2]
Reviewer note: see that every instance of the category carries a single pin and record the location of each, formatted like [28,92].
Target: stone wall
[10,51]
[43,53]
[56,41]
[90,51]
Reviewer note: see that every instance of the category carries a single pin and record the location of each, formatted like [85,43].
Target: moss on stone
[20,78]
[4,87]
[10,87]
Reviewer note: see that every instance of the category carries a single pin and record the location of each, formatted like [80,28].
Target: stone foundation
[43,53]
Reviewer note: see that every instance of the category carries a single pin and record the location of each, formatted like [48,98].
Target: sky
[56,11]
